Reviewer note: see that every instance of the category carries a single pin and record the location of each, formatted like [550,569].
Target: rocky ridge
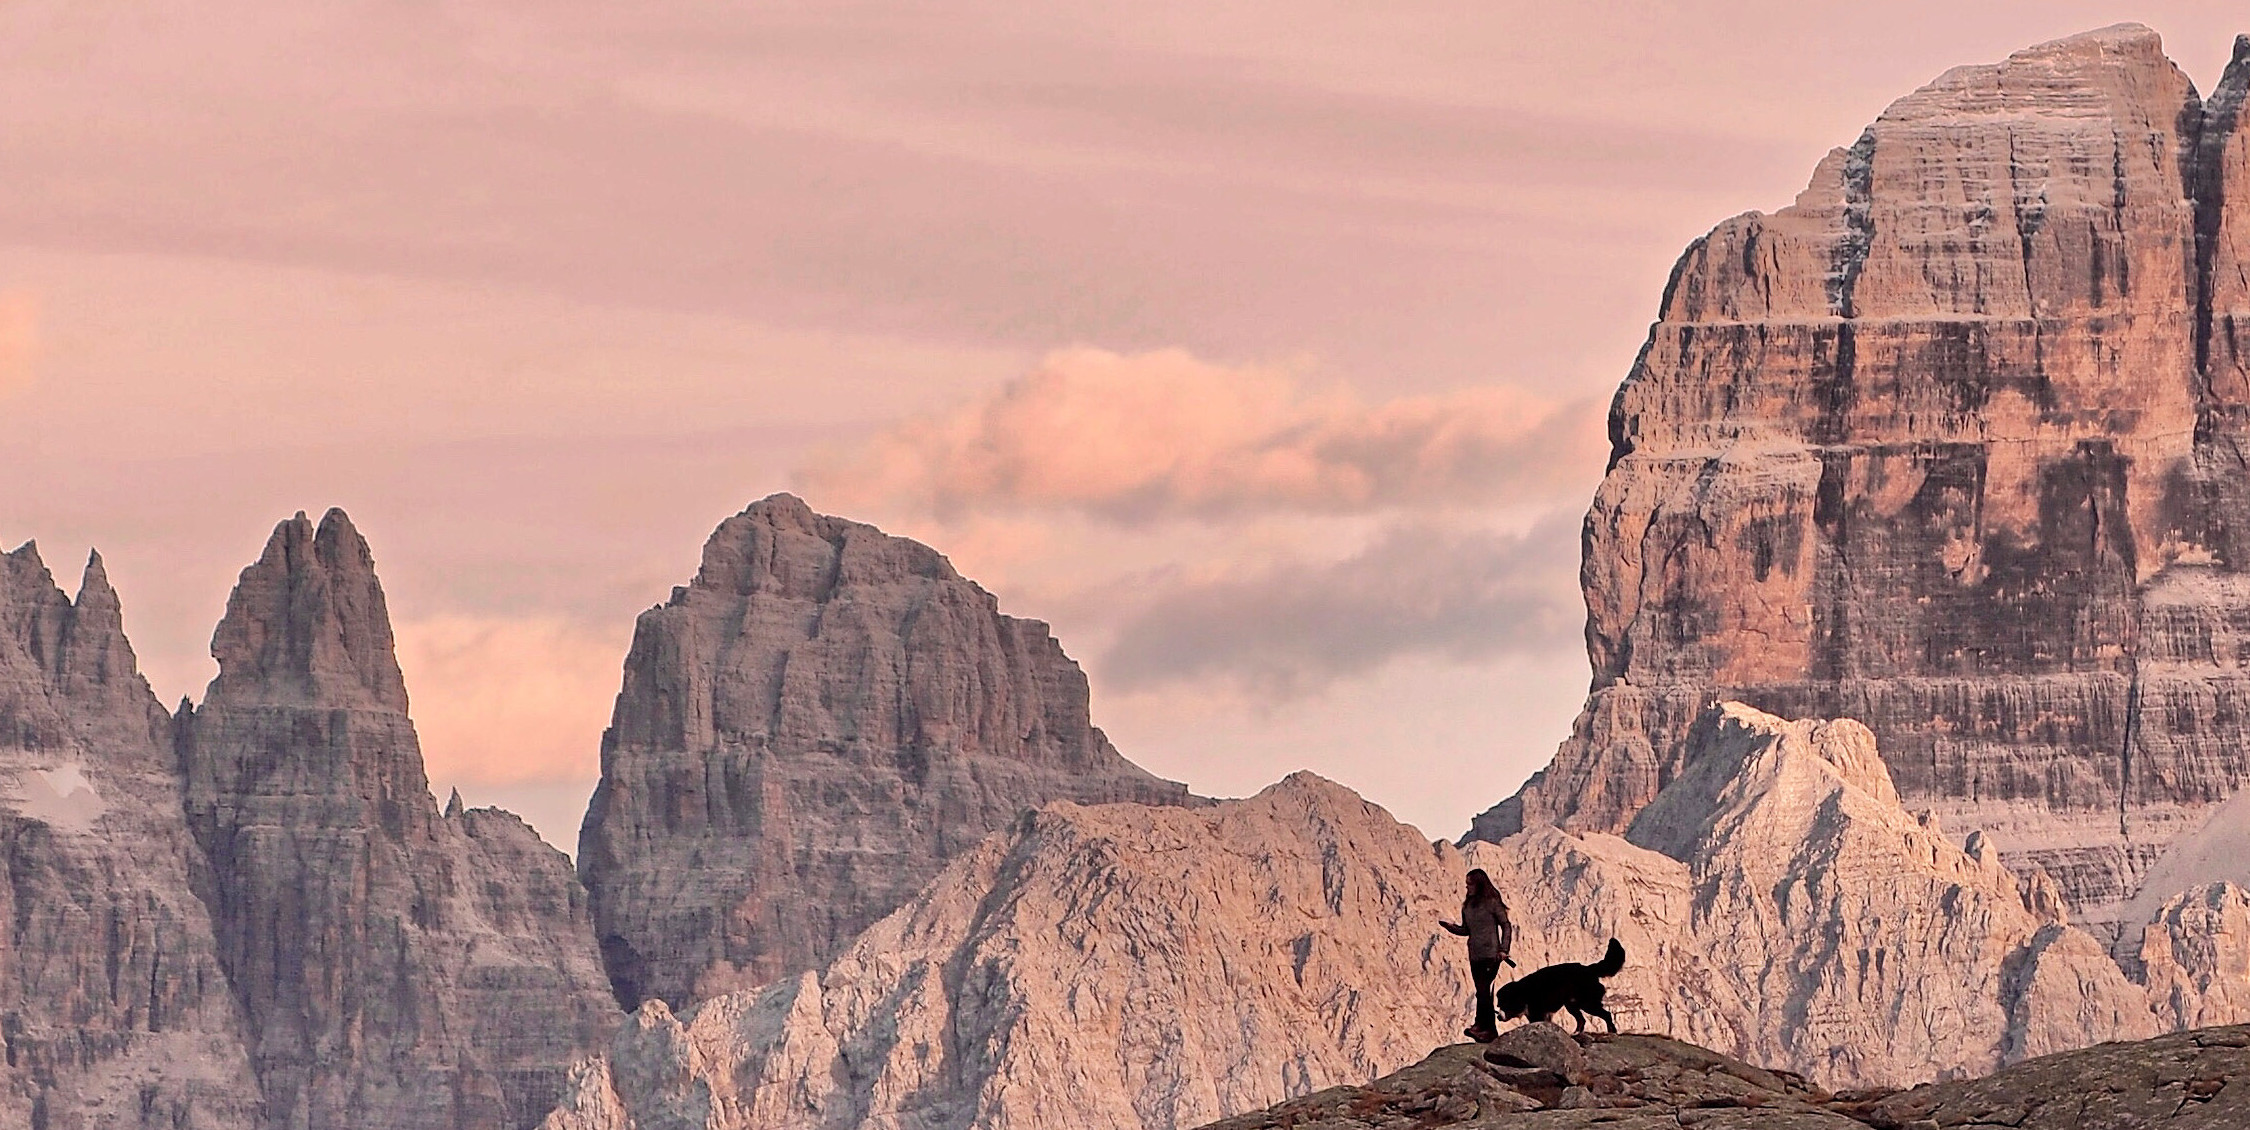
[1780,905]
[1953,445]
[1103,966]
[2193,1079]
[807,733]
[395,966]
[1147,969]
[113,1006]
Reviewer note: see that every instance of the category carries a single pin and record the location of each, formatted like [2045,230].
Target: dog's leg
[1600,1009]
[1578,1016]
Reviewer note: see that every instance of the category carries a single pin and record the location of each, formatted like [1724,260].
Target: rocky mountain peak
[97,658]
[779,545]
[116,1011]
[75,651]
[394,967]
[807,732]
[307,623]
[1743,755]
[94,589]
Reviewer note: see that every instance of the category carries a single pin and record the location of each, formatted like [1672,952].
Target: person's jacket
[1485,923]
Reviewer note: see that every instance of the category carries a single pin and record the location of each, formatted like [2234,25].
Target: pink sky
[1259,347]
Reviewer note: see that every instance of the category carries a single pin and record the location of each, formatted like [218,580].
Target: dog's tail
[1614,961]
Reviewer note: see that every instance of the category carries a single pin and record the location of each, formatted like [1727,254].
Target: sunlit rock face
[395,967]
[1111,967]
[112,1002]
[1129,968]
[1779,904]
[808,732]
[2195,956]
[1953,446]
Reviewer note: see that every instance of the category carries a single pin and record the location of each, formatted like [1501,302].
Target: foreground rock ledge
[1630,1082]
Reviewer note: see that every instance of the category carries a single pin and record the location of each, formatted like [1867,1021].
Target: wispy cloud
[1164,434]
[1419,590]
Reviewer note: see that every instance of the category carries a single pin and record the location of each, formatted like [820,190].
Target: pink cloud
[1136,437]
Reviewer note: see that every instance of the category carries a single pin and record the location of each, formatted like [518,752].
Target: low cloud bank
[1159,435]
[1419,590]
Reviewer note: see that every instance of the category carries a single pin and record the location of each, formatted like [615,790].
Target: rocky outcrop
[2194,1079]
[1634,1082]
[395,967]
[2190,1079]
[1781,906]
[808,732]
[113,1007]
[1111,966]
[1951,446]
[1147,969]
[2195,957]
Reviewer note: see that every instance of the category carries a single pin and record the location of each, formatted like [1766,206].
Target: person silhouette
[1484,921]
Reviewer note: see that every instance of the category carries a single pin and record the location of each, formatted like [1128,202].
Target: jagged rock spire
[93,584]
[307,623]
[97,655]
[395,968]
[109,965]
[77,647]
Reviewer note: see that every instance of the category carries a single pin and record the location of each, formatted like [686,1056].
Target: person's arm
[1454,928]
[1507,935]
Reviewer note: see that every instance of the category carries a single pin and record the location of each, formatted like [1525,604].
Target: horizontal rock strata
[808,731]
[1953,445]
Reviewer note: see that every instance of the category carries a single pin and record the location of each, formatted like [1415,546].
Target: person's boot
[1480,1033]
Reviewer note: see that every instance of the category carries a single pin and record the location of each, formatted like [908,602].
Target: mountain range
[1917,608]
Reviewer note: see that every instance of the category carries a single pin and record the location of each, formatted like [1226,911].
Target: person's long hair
[1481,890]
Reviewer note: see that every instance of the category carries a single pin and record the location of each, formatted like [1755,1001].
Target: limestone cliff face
[1147,969]
[396,967]
[808,732]
[113,1005]
[1951,446]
